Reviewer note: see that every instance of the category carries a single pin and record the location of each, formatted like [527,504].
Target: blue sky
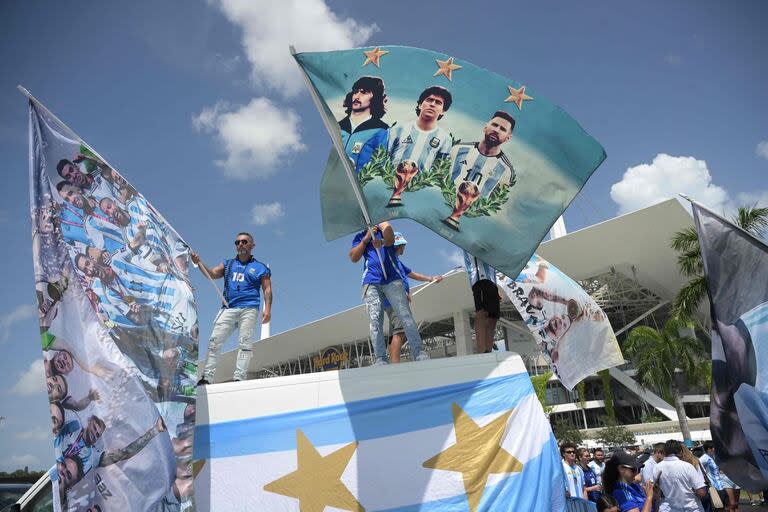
[199,106]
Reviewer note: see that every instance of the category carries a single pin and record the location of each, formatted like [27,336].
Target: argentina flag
[482,160]
[455,436]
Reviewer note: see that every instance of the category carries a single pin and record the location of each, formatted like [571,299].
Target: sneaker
[423,356]
[202,382]
[380,361]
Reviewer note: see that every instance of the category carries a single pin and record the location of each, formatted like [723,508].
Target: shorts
[395,325]
[486,295]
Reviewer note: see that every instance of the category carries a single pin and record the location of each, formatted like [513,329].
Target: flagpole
[723,219]
[74,134]
[333,132]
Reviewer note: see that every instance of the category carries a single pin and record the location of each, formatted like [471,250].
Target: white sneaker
[380,361]
[423,356]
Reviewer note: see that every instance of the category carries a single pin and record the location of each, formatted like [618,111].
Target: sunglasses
[634,470]
[569,451]
[241,242]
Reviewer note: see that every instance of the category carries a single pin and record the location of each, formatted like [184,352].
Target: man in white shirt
[572,473]
[682,486]
[597,464]
[657,456]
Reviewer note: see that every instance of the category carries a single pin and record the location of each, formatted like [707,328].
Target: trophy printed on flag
[466,194]
[404,173]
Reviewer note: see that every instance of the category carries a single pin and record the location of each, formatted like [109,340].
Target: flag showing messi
[379,439]
[483,161]
[572,331]
[119,331]
[736,270]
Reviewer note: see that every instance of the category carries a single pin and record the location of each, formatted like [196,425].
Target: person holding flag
[382,279]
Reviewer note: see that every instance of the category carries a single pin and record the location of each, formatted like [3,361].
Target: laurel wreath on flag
[439,175]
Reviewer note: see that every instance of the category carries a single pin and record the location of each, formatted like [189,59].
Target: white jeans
[223,325]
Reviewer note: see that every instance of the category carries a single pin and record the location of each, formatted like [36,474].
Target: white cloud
[18,314]
[32,381]
[759,198]
[34,434]
[454,257]
[270,27]
[762,149]
[258,138]
[264,213]
[665,177]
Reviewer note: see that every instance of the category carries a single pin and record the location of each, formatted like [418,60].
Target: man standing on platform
[482,279]
[244,278]
[376,246]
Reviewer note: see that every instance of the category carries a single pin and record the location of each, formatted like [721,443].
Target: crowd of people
[670,478]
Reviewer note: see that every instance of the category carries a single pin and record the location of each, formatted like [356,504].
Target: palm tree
[752,219]
[657,354]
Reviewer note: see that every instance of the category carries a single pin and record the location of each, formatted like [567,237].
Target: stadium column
[463,332]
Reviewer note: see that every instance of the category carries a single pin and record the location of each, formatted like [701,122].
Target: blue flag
[482,160]
[119,331]
[378,440]
[736,270]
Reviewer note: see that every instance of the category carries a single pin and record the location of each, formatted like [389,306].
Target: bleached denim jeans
[395,293]
[224,324]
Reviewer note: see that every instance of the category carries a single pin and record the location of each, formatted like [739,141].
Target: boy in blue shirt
[380,282]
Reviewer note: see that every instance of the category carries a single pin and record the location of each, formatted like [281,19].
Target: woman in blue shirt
[619,481]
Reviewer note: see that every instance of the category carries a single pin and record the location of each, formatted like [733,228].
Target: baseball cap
[624,459]
[400,239]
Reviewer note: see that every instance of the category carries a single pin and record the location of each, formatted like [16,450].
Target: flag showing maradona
[570,328]
[119,331]
[384,439]
[482,160]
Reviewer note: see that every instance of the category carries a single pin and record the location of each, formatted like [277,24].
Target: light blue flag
[119,331]
[482,160]
[461,441]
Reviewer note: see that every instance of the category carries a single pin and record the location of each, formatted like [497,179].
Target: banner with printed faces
[736,270]
[119,331]
[482,160]
[570,328]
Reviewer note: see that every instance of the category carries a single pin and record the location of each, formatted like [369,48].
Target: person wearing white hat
[395,326]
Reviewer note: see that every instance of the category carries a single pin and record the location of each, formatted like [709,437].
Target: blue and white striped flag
[435,441]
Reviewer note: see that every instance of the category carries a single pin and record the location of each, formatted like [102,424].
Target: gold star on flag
[476,454]
[317,481]
[446,67]
[517,96]
[373,56]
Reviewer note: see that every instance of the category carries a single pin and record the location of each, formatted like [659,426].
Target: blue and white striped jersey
[477,269]
[155,245]
[103,234]
[468,164]
[408,142]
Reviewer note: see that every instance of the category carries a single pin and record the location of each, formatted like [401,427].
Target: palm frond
[752,219]
[690,262]
[689,297]
[685,240]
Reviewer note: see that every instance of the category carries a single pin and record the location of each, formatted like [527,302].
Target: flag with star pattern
[380,439]
[482,160]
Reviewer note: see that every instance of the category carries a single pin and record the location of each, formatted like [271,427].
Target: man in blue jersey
[244,278]
[479,168]
[395,325]
[362,130]
[414,146]
[482,280]
[376,246]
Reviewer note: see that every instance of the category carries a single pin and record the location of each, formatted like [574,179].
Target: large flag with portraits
[571,329]
[119,331]
[482,160]
[378,440]
[736,270]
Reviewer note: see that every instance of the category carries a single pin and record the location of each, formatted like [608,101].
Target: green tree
[540,387]
[610,411]
[566,433]
[657,354]
[752,219]
[615,435]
